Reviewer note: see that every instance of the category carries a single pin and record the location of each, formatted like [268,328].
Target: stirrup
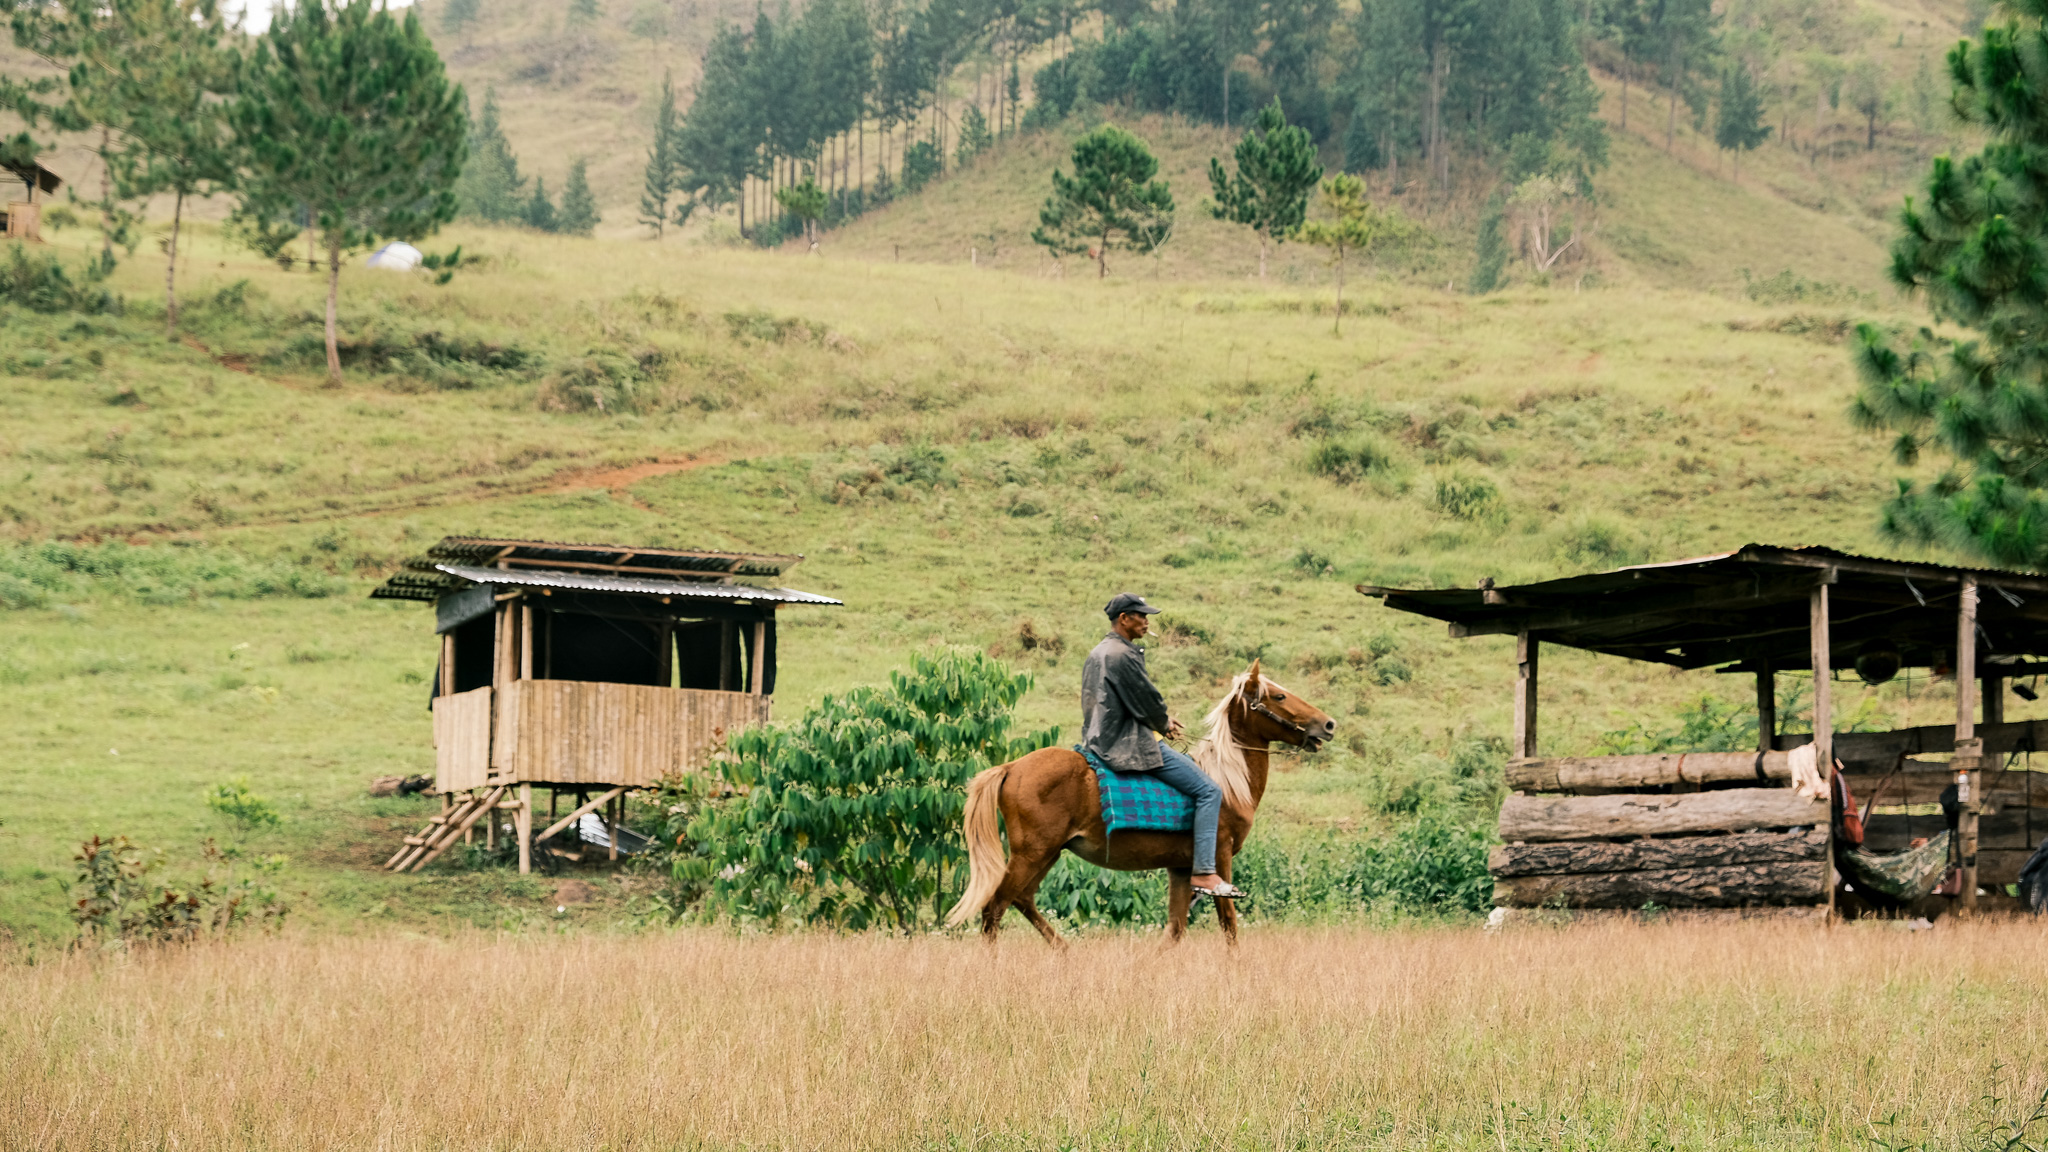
[1228,891]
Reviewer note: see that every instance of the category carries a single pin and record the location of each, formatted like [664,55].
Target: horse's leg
[1226,910]
[1028,866]
[1180,892]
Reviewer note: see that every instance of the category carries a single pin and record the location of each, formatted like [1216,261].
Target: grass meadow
[1731,1035]
[968,456]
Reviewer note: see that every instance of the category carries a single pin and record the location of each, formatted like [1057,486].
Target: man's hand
[1175,730]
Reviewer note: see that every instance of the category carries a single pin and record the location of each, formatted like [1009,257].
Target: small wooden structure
[19,183]
[585,669]
[1720,829]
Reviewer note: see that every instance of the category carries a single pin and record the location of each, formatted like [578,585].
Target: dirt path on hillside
[619,481]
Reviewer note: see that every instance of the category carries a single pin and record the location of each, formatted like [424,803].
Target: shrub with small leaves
[851,816]
[248,810]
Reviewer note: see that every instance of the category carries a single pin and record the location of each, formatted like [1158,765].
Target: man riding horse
[1123,715]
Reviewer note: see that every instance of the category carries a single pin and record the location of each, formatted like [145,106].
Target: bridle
[1259,706]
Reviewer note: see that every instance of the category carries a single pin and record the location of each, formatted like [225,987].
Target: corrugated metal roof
[1749,606]
[542,578]
[425,578]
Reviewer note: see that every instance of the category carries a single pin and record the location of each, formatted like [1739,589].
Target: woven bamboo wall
[578,732]
[462,740]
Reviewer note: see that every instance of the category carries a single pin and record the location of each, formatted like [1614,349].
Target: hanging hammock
[1904,876]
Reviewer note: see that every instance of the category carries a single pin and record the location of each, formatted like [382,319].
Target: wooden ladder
[442,831]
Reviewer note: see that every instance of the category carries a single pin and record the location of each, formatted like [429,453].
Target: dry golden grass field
[1759,1034]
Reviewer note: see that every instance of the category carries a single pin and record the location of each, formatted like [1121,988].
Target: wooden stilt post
[1525,696]
[1766,709]
[525,641]
[758,683]
[523,819]
[1824,711]
[616,808]
[1969,756]
[448,663]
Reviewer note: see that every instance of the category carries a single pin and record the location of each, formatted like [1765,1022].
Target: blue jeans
[1180,774]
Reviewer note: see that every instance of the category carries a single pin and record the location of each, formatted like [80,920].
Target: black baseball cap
[1127,602]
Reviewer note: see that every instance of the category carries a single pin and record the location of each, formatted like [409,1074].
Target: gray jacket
[1120,708]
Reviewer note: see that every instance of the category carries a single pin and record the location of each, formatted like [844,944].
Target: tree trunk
[171,270]
[1643,771]
[1433,113]
[1733,886]
[1671,118]
[1582,856]
[1624,92]
[333,295]
[1594,817]
[1337,321]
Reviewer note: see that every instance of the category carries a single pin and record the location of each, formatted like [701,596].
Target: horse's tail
[986,862]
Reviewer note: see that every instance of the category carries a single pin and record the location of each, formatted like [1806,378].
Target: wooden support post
[1968,761]
[758,684]
[1820,650]
[523,820]
[1991,707]
[1525,696]
[525,641]
[1766,709]
[448,663]
[618,807]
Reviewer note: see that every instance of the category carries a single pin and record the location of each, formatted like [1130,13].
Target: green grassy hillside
[959,451]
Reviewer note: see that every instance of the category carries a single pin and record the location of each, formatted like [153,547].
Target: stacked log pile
[1615,844]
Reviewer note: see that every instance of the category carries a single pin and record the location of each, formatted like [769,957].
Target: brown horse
[1049,802]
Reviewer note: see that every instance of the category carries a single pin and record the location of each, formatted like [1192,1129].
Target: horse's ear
[1253,680]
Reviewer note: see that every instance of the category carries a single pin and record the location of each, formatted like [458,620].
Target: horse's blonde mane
[1220,754]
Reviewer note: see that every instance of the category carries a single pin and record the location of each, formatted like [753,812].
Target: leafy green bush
[118,905]
[1466,497]
[248,810]
[1349,461]
[1431,867]
[32,575]
[40,284]
[851,816]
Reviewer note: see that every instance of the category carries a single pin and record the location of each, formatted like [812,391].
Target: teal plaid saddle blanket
[1138,801]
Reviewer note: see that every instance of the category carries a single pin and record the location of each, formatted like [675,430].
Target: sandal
[1225,891]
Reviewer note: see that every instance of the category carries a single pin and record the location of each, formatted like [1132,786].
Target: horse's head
[1271,713]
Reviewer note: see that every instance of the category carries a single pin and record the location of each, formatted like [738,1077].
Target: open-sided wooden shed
[20,215]
[1720,828]
[586,670]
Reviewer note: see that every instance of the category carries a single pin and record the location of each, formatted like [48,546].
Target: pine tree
[540,214]
[458,15]
[579,215]
[1740,127]
[1111,200]
[806,202]
[974,136]
[152,73]
[1493,248]
[345,108]
[1974,243]
[1356,224]
[663,169]
[1276,171]
[489,189]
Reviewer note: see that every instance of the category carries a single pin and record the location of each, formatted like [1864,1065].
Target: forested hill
[1443,103]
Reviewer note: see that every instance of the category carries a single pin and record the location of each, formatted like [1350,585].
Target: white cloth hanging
[1805,764]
